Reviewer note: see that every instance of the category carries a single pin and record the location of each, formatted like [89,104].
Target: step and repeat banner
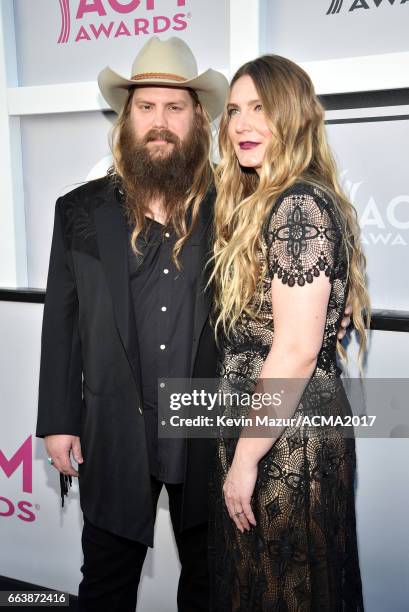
[72,40]
[65,41]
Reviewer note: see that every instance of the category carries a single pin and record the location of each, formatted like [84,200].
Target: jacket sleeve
[60,384]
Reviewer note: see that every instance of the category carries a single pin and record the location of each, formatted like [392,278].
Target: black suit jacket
[90,374]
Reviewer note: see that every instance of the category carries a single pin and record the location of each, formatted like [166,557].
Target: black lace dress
[302,554]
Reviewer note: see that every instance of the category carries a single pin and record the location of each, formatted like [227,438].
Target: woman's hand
[238,489]
[346,321]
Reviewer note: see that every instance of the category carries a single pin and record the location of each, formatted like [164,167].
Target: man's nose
[159,118]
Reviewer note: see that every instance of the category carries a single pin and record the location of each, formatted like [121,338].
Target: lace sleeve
[302,238]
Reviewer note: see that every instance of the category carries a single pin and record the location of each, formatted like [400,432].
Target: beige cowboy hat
[170,63]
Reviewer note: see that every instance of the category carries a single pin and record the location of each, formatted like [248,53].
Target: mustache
[164,134]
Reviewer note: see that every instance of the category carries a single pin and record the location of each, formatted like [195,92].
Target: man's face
[161,117]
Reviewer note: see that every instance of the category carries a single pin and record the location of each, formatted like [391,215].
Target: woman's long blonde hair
[298,151]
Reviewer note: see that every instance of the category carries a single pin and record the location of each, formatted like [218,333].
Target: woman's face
[247,128]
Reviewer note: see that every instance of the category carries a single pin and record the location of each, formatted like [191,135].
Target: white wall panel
[374,171]
[383,487]
[59,152]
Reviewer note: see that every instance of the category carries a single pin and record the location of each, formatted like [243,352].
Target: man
[126,305]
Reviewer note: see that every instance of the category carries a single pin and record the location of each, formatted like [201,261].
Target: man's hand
[58,447]
[345,322]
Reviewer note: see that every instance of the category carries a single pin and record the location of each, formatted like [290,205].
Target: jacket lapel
[204,296]
[112,239]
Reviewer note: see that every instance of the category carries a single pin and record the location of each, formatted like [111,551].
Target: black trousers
[113,564]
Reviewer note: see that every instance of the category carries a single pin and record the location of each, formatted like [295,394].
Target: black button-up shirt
[164,304]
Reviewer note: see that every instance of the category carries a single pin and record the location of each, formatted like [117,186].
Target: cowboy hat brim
[211,88]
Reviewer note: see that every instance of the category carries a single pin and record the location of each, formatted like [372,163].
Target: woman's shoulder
[303,235]
[307,201]
[309,192]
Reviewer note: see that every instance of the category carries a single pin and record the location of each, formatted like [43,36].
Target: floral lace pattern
[303,237]
[302,554]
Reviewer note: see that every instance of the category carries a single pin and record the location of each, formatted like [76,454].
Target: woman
[287,256]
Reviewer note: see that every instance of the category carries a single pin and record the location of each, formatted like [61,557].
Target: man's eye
[175,108]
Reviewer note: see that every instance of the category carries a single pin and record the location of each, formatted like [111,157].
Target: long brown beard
[168,177]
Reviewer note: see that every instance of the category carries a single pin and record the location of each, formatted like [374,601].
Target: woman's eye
[145,107]
[231,111]
[258,107]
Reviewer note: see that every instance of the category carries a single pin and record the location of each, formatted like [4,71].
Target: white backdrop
[45,154]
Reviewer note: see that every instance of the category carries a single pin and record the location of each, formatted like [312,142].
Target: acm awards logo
[88,20]
[381,224]
[337,5]
[21,508]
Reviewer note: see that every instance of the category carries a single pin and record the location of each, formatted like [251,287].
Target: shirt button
[163,309]
[167,234]
[162,385]
[162,347]
[166,271]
